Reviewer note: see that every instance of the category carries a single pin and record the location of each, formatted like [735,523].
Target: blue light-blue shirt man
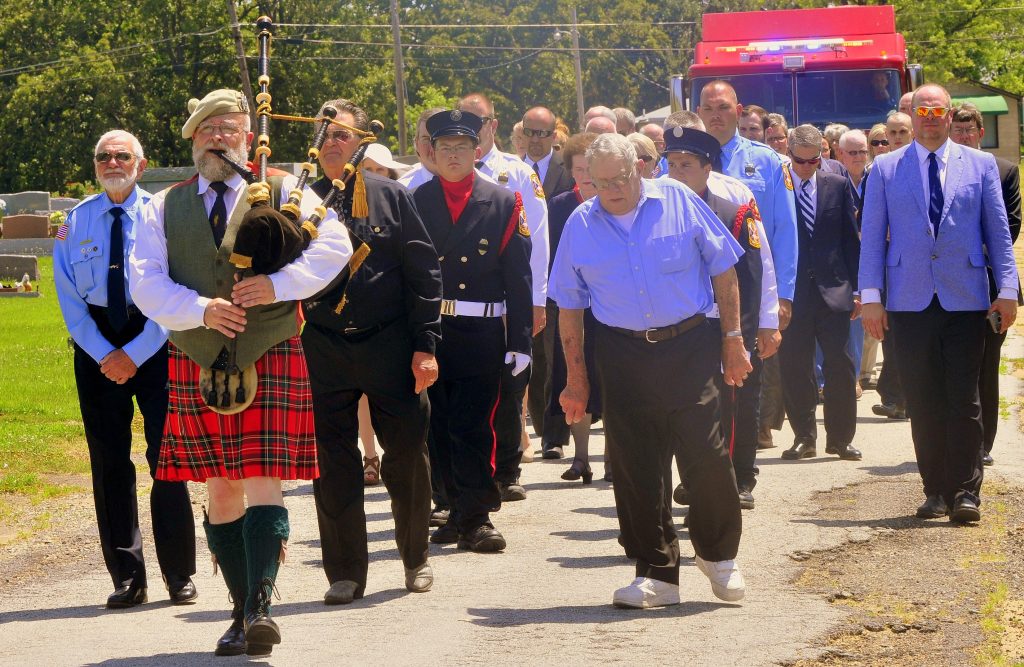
[81,259]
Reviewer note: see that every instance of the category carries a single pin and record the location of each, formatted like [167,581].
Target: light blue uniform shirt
[761,169]
[80,265]
[657,274]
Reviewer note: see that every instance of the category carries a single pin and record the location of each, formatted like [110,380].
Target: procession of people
[675,282]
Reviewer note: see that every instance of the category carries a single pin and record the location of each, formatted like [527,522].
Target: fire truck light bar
[794,45]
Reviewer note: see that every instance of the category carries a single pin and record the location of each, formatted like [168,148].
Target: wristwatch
[736,333]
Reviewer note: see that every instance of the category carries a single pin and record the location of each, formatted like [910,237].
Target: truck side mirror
[915,74]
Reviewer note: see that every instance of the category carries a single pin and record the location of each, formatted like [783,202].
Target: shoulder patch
[786,176]
[62,232]
[538,189]
[524,229]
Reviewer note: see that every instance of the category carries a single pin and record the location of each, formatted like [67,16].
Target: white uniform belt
[455,308]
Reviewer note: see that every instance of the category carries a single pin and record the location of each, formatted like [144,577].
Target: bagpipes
[268,239]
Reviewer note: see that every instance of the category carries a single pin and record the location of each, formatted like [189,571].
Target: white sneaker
[726,579]
[644,593]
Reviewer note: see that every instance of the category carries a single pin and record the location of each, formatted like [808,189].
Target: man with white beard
[120,354]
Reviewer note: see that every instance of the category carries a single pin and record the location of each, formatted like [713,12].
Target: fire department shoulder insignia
[538,189]
[787,176]
[524,229]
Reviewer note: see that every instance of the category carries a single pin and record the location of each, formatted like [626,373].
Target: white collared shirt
[812,189]
[542,165]
[942,156]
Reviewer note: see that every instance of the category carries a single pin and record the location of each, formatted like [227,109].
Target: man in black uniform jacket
[482,241]
[380,344]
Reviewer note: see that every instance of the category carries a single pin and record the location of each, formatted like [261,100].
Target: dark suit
[485,258]
[988,381]
[392,310]
[557,179]
[826,280]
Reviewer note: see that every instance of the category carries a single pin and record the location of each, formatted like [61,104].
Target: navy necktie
[935,200]
[219,212]
[536,169]
[117,302]
[805,206]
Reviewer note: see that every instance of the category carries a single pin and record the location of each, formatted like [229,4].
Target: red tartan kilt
[273,437]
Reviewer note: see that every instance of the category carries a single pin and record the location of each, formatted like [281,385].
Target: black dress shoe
[679,495]
[986,459]
[801,450]
[890,410]
[934,507]
[846,452]
[746,499]
[446,534]
[127,596]
[553,452]
[232,642]
[483,539]
[511,492]
[181,590]
[965,510]
[439,515]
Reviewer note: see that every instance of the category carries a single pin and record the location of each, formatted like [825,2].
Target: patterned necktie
[117,302]
[805,206]
[219,212]
[935,200]
[536,169]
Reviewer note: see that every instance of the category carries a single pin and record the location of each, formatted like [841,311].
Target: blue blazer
[899,253]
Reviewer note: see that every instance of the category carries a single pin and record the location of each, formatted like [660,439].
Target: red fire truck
[831,65]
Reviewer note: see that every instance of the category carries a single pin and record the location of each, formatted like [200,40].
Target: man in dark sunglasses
[539,130]
[933,219]
[120,355]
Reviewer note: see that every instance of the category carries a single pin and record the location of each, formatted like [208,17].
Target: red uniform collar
[456,195]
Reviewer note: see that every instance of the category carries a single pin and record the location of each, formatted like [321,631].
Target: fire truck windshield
[857,98]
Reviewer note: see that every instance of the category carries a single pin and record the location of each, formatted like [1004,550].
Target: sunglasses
[619,182]
[543,134]
[120,156]
[339,135]
[223,130]
[934,112]
[879,142]
[645,158]
[800,160]
[856,153]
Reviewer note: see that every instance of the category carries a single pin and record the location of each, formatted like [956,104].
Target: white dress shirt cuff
[870,295]
[1007,293]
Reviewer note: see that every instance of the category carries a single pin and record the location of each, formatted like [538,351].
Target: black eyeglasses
[120,156]
[543,134]
[879,142]
[800,160]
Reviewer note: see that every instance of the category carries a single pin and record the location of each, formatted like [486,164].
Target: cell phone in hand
[995,320]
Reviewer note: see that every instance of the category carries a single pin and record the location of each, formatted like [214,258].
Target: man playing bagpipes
[240,413]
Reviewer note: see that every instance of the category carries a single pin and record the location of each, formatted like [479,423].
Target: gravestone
[63,203]
[26,202]
[15,266]
[26,226]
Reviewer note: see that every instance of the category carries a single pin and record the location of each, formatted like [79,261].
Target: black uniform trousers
[508,423]
[771,410]
[739,416]
[890,390]
[988,385]
[659,399]
[342,369]
[939,354]
[546,345]
[462,446]
[812,321]
[107,412]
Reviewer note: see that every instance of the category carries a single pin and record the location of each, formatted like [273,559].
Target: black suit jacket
[828,259]
[484,257]
[1009,177]
[558,179]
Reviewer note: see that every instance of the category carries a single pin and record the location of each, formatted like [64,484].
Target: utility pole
[399,78]
[243,69]
[579,73]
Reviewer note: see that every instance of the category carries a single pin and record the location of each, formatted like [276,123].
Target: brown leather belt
[663,333]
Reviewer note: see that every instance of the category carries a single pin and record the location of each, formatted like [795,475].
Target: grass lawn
[41,430]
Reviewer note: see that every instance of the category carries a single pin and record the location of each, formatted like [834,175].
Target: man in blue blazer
[931,213]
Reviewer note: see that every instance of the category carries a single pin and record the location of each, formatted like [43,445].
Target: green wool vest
[195,262]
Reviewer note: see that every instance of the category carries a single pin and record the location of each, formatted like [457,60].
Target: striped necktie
[805,206]
[935,199]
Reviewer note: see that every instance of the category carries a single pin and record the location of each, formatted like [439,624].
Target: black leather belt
[662,333]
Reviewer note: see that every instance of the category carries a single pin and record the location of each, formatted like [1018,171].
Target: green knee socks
[227,545]
[264,531]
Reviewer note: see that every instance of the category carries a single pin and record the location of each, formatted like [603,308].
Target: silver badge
[243,103]
[749,169]
[456,115]
[678,132]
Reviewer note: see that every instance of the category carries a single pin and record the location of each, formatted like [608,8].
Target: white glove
[520,361]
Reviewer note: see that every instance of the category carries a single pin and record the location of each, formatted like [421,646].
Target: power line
[468,47]
[452,26]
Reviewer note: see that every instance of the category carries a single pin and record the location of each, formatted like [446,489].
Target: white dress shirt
[542,165]
[180,308]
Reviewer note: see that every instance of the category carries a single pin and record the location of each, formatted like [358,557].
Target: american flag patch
[62,232]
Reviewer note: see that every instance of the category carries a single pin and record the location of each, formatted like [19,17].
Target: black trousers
[107,412]
[553,432]
[660,399]
[890,390]
[939,354]
[772,410]
[508,424]
[462,446]
[342,369]
[988,385]
[813,321]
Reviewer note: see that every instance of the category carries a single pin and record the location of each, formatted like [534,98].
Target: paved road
[547,598]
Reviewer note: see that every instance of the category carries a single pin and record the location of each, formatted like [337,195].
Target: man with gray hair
[600,125]
[424,171]
[625,121]
[120,355]
[650,258]
[599,111]
[824,301]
